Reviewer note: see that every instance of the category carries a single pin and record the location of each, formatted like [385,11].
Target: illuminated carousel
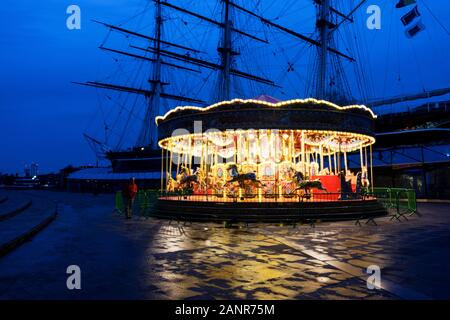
[252,160]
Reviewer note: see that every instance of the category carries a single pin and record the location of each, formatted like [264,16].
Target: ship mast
[225,52]
[174,53]
[148,132]
[323,25]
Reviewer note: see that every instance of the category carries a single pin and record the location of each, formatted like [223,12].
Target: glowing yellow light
[265,103]
[331,141]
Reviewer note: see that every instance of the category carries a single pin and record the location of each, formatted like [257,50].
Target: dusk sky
[43,115]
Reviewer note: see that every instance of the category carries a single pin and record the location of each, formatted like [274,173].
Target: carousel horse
[305,184]
[270,190]
[233,192]
[185,179]
[207,178]
[249,191]
[288,189]
[241,178]
[172,184]
[218,188]
[202,179]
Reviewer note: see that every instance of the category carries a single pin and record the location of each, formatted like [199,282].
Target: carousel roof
[265,100]
[265,112]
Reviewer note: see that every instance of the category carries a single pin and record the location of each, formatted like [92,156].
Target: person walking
[129,193]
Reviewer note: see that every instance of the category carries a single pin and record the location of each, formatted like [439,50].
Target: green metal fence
[400,200]
[144,201]
[118,203]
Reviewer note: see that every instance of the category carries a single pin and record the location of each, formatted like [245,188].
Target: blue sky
[43,115]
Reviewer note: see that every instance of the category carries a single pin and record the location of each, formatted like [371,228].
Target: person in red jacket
[129,193]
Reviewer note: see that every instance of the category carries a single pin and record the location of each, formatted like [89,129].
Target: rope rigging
[289,59]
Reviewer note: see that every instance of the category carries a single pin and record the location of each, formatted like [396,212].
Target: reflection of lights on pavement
[323,279]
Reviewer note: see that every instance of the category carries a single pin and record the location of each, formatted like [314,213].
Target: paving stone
[152,259]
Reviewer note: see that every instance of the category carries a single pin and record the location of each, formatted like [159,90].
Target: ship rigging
[199,53]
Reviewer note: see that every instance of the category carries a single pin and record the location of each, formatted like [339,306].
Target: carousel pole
[203,164]
[269,142]
[216,159]
[258,150]
[292,148]
[273,137]
[258,157]
[286,150]
[334,161]
[235,140]
[170,164]
[365,156]
[361,160]
[239,158]
[371,168]
[179,160]
[162,168]
[205,156]
[302,155]
[330,166]
[321,157]
[335,164]
[202,156]
[345,162]
[308,166]
[190,155]
[167,166]
[247,146]
[339,158]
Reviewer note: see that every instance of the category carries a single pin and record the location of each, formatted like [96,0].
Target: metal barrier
[142,205]
[118,203]
[401,200]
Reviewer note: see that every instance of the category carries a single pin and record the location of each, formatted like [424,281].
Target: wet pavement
[159,259]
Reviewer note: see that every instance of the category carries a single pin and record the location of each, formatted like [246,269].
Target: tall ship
[198,53]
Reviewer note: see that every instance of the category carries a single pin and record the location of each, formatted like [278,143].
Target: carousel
[255,160]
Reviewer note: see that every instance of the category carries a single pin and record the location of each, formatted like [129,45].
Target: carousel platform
[266,211]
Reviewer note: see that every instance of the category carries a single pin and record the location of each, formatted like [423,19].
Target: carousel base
[291,211]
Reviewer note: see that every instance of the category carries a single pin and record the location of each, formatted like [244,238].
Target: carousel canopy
[308,114]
